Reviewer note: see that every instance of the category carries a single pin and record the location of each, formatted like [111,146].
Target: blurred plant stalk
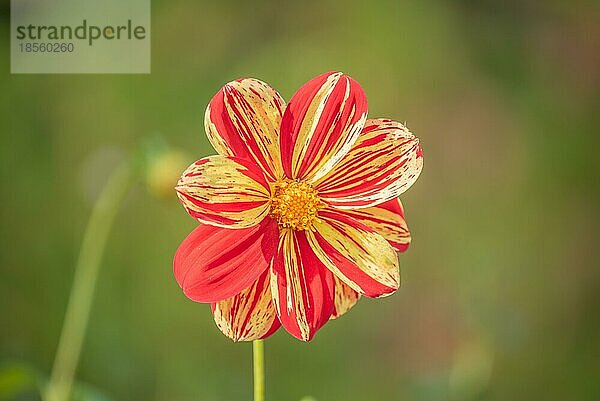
[84,282]
[258,357]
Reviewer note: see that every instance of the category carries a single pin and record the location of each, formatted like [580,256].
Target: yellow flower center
[294,204]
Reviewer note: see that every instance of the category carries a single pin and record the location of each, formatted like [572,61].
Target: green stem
[258,356]
[84,282]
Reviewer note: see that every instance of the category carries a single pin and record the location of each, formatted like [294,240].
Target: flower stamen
[294,204]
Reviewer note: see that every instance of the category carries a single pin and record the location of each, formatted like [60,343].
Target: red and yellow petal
[224,192]
[243,119]
[302,287]
[214,263]
[345,298]
[385,161]
[320,124]
[355,253]
[249,315]
[387,219]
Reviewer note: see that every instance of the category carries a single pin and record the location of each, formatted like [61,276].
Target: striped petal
[224,192]
[249,315]
[320,124]
[345,298]
[243,119]
[302,287]
[355,253]
[384,162]
[214,263]
[387,219]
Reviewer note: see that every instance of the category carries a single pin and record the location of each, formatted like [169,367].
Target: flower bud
[163,171]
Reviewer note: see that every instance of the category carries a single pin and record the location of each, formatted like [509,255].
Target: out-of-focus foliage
[500,293]
[19,382]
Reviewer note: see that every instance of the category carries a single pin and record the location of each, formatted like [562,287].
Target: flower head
[299,210]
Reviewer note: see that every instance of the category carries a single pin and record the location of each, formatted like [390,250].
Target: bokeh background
[501,286]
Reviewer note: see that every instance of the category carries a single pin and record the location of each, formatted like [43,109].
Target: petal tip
[419,149]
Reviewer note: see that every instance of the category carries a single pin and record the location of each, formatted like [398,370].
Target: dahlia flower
[299,212]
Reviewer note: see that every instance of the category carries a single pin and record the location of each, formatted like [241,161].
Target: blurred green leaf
[85,392]
[21,382]
[18,382]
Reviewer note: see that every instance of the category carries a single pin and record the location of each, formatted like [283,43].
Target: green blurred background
[501,291]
